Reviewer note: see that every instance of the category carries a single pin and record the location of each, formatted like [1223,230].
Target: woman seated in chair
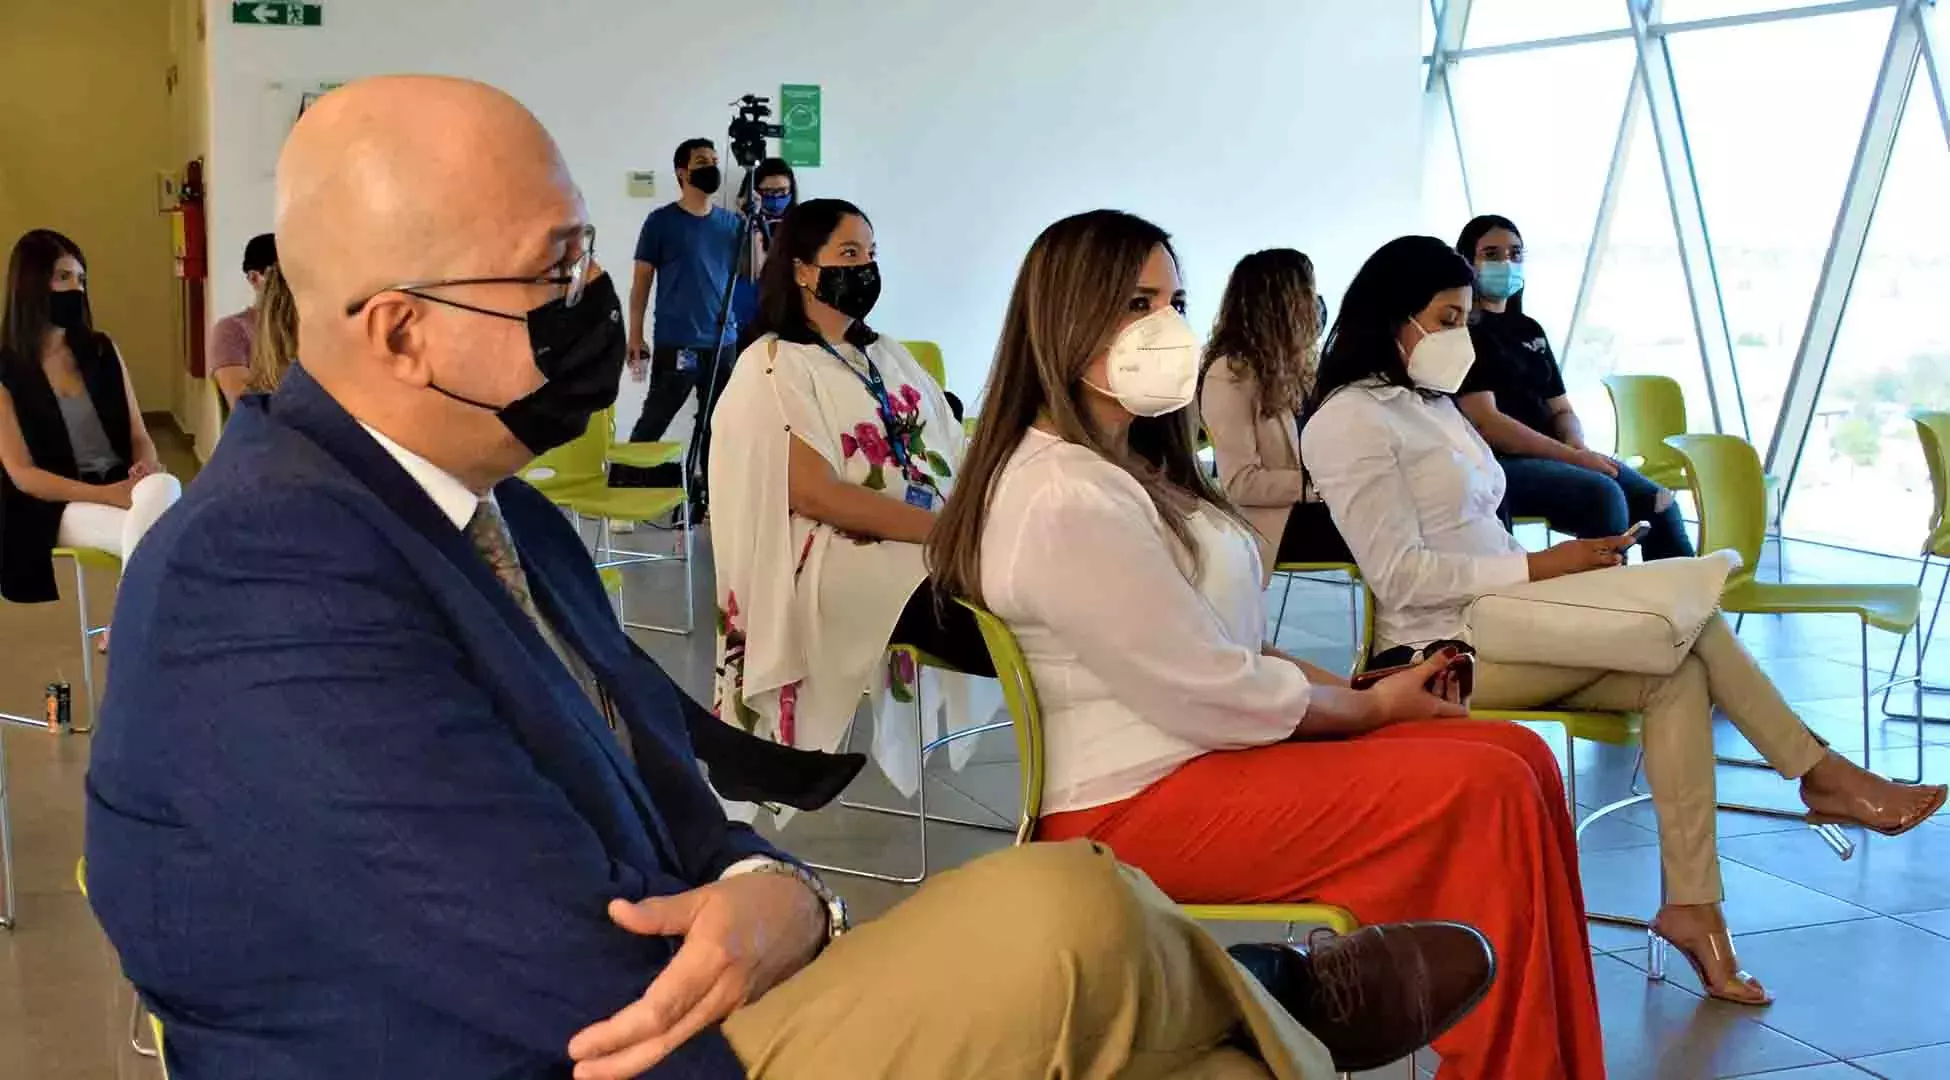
[1415,490]
[1226,770]
[839,452]
[77,467]
[1258,366]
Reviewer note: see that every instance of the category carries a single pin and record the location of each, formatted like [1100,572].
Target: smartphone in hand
[1636,533]
[1461,669]
[1367,679]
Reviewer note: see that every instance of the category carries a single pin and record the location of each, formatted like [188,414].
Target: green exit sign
[277,13]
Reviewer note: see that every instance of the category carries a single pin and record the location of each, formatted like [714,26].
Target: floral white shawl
[805,612]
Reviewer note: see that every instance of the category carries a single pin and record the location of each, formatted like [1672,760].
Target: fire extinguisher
[191,247]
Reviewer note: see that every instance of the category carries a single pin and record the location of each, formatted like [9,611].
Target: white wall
[961,129]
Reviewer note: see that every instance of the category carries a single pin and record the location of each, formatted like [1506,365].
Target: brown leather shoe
[1379,994]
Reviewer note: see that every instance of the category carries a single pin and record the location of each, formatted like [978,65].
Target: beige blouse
[1258,456]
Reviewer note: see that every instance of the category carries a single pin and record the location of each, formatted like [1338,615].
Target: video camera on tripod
[749,130]
[748,133]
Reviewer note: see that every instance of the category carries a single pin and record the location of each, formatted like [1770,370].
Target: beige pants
[1044,961]
[1678,734]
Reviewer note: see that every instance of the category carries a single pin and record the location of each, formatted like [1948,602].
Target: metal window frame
[1690,229]
[1873,154]
[1439,98]
[1914,42]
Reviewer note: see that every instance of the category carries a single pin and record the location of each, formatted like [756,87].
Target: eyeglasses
[581,257]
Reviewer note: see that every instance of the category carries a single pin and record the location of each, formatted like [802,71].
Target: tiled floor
[1858,952]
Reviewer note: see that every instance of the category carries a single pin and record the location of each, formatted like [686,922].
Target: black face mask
[580,351]
[706,178]
[68,310]
[850,290]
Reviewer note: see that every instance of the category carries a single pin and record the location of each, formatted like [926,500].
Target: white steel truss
[1915,43]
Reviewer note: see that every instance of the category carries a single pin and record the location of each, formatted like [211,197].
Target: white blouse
[1141,662]
[1414,491]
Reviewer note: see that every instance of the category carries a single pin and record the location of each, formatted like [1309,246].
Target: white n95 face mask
[1153,365]
[1441,360]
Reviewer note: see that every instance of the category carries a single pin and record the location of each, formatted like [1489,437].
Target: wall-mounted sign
[799,115]
[642,183]
[277,13]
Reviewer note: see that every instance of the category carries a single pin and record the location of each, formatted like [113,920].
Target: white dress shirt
[1141,662]
[454,498]
[1414,491]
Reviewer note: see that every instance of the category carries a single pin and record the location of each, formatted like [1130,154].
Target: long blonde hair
[275,345]
[1069,297]
[1268,329]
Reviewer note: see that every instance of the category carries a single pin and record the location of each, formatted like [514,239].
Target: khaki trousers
[1044,961]
[1678,736]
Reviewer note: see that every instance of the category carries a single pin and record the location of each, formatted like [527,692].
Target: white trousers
[113,529]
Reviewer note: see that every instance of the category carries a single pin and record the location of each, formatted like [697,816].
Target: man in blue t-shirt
[688,248]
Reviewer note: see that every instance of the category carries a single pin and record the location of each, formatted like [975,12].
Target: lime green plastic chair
[575,477]
[1933,431]
[1019,691]
[136,1009]
[1733,517]
[1646,411]
[928,355]
[640,455]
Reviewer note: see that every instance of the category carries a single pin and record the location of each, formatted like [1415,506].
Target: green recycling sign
[277,13]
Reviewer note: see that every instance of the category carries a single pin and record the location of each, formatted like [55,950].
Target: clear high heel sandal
[1736,986]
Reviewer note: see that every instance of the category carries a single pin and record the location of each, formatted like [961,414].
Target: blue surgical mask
[1499,280]
[774,205]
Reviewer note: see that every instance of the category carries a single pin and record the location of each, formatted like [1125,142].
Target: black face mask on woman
[580,351]
[68,310]
[850,290]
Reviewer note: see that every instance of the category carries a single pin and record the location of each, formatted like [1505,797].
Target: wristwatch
[838,921]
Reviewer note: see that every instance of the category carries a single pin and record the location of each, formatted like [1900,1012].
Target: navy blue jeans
[1591,505]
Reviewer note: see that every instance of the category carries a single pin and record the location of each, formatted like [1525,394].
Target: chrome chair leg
[1593,818]
[1279,621]
[1924,636]
[88,635]
[136,1016]
[919,815]
[6,842]
[683,551]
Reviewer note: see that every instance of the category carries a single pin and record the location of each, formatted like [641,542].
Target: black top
[1514,361]
[28,525]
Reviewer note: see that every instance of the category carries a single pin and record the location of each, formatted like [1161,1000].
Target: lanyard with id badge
[920,487]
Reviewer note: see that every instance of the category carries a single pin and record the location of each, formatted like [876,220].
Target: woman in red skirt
[1226,770]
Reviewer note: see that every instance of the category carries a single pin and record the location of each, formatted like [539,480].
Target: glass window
[1637,320]
[1444,200]
[1503,22]
[1549,186]
[1862,481]
[1673,11]
[1773,115]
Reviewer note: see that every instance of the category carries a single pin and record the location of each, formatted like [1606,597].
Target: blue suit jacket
[348,814]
